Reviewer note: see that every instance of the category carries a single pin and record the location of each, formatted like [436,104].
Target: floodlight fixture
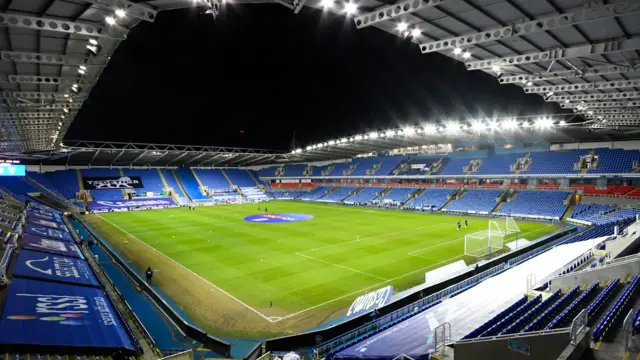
[544,123]
[66,111]
[66,95]
[350,8]
[80,71]
[75,89]
[408,131]
[466,55]
[496,69]
[457,51]
[493,125]
[120,13]
[529,83]
[390,132]
[563,123]
[332,142]
[477,126]
[358,137]
[402,26]
[373,135]
[327,4]
[510,124]
[110,20]
[94,49]
[309,148]
[430,129]
[93,41]
[566,101]
[416,32]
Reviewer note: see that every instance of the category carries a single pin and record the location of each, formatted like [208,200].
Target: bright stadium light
[332,142]
[496,69]
[408,131]
[373,135]
[457,51]
[529,83]
[510,124]
[544,123]
[358,137]
[402,26]
[563,123]
[390,132]
[120,13]
[309,147]
[110,20]
[477,126]
[350,8]
[566,101]
[466,55]
[493,125]
[416,32]
[327,4]
[452,127]
[430,129]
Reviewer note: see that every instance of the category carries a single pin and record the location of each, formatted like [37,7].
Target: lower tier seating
[542,204]
[476,201]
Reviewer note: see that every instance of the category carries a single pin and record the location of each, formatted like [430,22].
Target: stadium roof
[581,54]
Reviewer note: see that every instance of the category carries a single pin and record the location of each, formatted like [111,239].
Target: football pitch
[235,277]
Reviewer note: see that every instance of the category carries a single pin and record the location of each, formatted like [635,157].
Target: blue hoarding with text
[39,265]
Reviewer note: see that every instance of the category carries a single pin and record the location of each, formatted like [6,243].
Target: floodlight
[563,123]
[75,89]
[408,131]
[94,49]
[110,20]
[390,132]
[66,95]
[350,8]
[332,142]
[566,101]
[430,129]
[309,148]
[510,124]
[477,126]
[82,67]
[493,125]
[457,51]
[120,13]
[298,151]
[373,135]
[326,4]
[93,41]
[544,123]
[402,26]
[452,127]
[65,110]
[529,83]
[358,137]
[416,32]
[466,55]
[550,93]
[81,71]
[496,68]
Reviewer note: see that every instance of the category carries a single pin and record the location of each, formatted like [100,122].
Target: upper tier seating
[44,181]
[66,181]
[455,167]
[294,170]
[544,204]
[365,195]
[150,179]
[434,198]
[398,195]
[363,165]
[426,164]
[240,178]
[591,212]
[339,194]
[613,161]
[269,171]
[388,164]
[498,164]
[480,201]
[213,179]
[17,187]
[191,184]
[554,162]
[172,183]
[109,195]
[339,169]
[316,193]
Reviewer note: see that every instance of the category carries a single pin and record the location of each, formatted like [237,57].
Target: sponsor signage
[43,266]
[39,214]
[370,301]
[51,314]
[123,204]
[277,218]
[38,243]
[107,183]
[47,223]
[12,170]
[47,232]
[519,347]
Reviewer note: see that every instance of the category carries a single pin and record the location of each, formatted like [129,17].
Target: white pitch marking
[373,237]
[182,266]
[340,266]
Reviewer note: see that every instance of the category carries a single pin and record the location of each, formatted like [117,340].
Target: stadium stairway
[229,180]
[179,182]
[258,184]
[195,175]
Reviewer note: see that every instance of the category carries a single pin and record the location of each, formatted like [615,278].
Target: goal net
[504,226]
[483,243]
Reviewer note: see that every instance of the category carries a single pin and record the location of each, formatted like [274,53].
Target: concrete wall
[590,276]
[542,346]
[627,145]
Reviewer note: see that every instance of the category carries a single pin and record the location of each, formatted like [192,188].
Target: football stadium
[501,236]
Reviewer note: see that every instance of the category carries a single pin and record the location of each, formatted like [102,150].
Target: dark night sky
[190,79]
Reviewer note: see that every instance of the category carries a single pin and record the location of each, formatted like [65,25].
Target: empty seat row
[531,314]
[577,305]
[612,315]
[502,324]
[494,320]
[636,322]
[550,313]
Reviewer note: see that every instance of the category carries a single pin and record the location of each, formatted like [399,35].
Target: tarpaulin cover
[39,214]
[47,232]
[133,203]
[47,223]
[43,266]
[38,243]
[51,314]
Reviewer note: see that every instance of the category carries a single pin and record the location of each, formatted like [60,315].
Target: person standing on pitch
[459,226]
[270,304]
[149,274]
[466,223]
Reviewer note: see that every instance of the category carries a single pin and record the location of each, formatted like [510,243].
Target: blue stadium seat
[365,196]
[316,193]
[476,201]
[543,204]
[66,181]
[612,316]
[150,179]
[431,198]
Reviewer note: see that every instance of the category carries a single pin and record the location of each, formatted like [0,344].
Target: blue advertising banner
[44,215]
[38,265]
[47,232]
[133,203]
[50,314]
[48,223]
[371,301]
[38,243]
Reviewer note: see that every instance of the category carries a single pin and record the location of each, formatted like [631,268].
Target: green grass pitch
[324,262]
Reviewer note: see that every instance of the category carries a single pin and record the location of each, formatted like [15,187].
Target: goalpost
[485,242]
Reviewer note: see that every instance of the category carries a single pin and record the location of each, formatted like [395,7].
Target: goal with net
[485,242]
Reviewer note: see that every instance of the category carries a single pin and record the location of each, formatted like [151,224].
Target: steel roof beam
[567,74]
[69,27]
[599,85]
[593,13]
[40,95]
[55,106]
[132,9]
[613,116]
[600,48]
[617,110]
[595,97]
[603,104]
[54,59]
[389,12]
[29,115]
[50,80]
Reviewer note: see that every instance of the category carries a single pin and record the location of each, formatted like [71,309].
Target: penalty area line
[193,273]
